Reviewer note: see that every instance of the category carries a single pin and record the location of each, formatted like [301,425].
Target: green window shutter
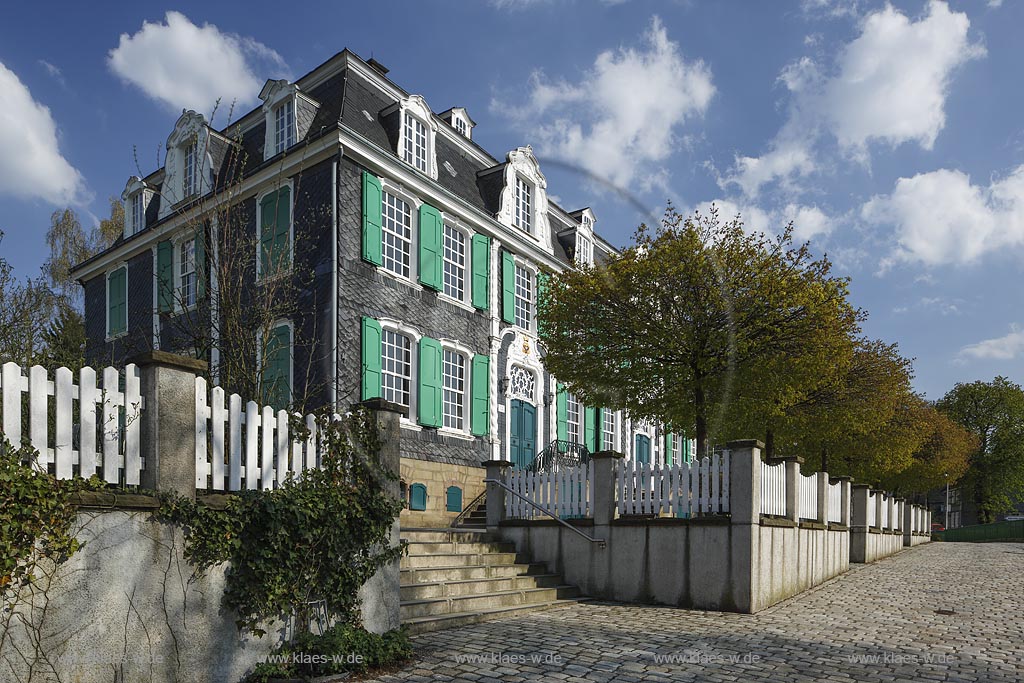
[590,428]
[268,233]
[542,290]
[508,287]
[371,341]
[599,422]
[453,499]
[562,413]
[418,497]
[165,276]
[282,231]
[668,448]
[480,395]
[373,196]
[277,368]
[202,272]
[431,247]
[687,451]
[481,257]
[117,301]
[430,382]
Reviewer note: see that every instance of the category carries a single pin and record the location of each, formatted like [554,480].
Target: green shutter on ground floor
[481,263]
[479,421]
[590,428]
[430,382]
[562,413]
[669,442]
[165,276]
[373,197]
[117,302]
[371,353]
[277,368]
[508,287]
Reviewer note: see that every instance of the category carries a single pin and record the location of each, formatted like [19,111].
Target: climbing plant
[311,542]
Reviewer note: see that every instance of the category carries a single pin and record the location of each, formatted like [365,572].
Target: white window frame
[413,127]
[523,196]
[413,210]
[286,134]
[584,250]
[614,434]
[138,211]
[531,281]
[189,176]
[467,245]
[460,125]
[573,418]
[291,228]
[448,347]
[106,283]
[180,302]
[261,343]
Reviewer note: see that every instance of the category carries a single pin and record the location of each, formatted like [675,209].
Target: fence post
[745,512]
[860,498]
[168,438]
[495,494]
[793,463]
[891,502]
[605,463]
[844,500]
[823,498]
[908,525]
[879,497]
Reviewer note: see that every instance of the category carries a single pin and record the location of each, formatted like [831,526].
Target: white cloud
[1006,347]
[808,221]
[31,164]
[187,66]
[887,86]
[941,218]
[932,304]
[620,121]
[995,4]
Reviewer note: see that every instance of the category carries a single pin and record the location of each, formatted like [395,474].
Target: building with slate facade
[421,256]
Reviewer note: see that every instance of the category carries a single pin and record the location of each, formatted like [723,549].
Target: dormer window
[284,126]
[136,197]
[415,142]
[460,125]
[584,251]
[522,217]
[458,118]
[188,177]
[138,213]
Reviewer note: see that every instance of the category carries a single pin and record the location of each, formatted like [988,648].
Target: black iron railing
[559,455]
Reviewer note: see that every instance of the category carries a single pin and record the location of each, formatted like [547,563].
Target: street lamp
[947,500]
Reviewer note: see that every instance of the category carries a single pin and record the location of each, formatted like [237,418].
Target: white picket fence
[835,503]
[680,490]
[247,447]
[95,428]
[564,493]
[773,489]
[884,523]
[872,511]
[808,496]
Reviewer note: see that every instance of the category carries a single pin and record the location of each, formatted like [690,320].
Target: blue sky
[890,133]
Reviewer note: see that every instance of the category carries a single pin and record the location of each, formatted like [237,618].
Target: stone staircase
[455,577]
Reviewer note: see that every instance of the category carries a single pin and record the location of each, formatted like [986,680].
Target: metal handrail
[468,509]
[600,542]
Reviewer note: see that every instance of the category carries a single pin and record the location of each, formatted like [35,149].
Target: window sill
[269,279]
[459,302]
[456,433]
[114,337]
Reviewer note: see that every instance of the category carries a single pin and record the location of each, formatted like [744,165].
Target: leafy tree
[64,341]
[943,454]
[698,323]
[994,413]
[25,310]
[71,244]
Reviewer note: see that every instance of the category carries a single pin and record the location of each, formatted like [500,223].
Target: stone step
[484,601]
[445,589]
[458,548]
[456,559]
[436,623]
[446,535]
[410,577]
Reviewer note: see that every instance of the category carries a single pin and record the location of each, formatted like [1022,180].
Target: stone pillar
[908,524]
[745,513]
[605,468]
[168,427]
[495,494]
[879,501]
[859,531]
[844,497]
[380,595]
[860,498]
[823,492]
[891,502]
[793,511]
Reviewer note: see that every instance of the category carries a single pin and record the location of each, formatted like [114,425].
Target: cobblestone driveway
[874,623]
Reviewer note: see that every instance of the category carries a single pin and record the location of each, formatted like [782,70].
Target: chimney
[378,67]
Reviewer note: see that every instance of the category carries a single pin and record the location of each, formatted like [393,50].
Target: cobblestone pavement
[874,623]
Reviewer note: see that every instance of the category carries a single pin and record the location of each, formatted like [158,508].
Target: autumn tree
[26,308]
[698,322]
[994,413]
[70,244]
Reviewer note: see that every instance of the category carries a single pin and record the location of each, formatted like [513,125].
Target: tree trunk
[824,459]
[700,409]
[769,445]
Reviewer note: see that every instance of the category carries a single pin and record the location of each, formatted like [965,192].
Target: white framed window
[584,250]
[522,216]
[454,263]
[523,297]
[187,279]
[415,132]
[454,397]
[396,367]
[522,384]
[138,219]
[396,233]
[460,125]
[284,126]
[609,431]
[188,182]
[574,418]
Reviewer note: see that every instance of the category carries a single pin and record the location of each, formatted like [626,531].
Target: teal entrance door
[522,431]
[642,452]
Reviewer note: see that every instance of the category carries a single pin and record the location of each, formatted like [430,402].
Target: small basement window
[453,499]
[418,497]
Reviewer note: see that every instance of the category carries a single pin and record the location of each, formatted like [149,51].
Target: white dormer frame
[460,121]
[274,95]
[585,231]
[135,188]
[523,164]
[417,107]
[190,128]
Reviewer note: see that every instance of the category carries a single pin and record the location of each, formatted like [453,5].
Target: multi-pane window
[138,214]
[415,142]
[187,273]
[584,250]
[396,367]
[454,389]
[454,263]
[460,126]
[608,430]
[573,418]
[524,297]
[188,185]
[284,127]
[396,221]
[522,217]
